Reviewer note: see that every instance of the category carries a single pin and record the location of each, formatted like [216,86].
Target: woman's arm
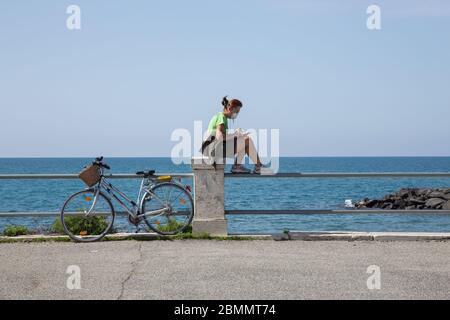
[220,132]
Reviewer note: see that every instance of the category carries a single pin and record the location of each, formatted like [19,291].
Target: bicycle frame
[115,193]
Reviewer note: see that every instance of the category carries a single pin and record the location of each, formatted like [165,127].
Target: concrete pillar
[209,198]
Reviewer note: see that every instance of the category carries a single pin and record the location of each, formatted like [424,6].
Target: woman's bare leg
[245,146]
[240,150]
[250,150]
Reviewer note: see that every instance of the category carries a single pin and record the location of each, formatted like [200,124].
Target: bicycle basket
[90,175]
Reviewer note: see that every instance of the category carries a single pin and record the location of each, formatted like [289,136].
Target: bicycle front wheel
[86,217]
[179,208]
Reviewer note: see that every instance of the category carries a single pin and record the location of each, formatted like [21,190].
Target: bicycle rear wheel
[180,208]
[85,218]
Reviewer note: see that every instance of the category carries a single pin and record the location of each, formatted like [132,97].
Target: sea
[244,194]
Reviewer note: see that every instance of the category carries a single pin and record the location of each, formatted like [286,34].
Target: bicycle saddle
[146,173]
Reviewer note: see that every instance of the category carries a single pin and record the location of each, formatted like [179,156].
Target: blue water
[291,193]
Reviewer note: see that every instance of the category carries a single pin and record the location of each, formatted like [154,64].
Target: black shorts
[211,138]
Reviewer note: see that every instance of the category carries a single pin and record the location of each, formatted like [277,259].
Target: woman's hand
[240,133]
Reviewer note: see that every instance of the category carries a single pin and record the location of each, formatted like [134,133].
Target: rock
[387,206]
[414,201]
[446,206]
[446,196]
[399,204]
[436,194]
[434,202]
[421,192]
[411,199]
[360,204]
[403,193]
[371,203]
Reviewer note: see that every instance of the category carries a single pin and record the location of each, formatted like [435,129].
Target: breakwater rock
[410,199]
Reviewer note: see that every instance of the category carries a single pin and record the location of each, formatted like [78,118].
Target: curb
[130,236]
[366,236]
[286,236]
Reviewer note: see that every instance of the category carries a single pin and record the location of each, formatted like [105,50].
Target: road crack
[134,265]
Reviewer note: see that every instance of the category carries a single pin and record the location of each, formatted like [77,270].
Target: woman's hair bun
[225,102]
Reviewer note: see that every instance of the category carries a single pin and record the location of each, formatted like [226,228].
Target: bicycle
[88,215]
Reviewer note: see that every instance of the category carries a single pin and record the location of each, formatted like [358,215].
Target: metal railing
[245,176]
[343,175]
[242,175]
[72,177]
[75,176]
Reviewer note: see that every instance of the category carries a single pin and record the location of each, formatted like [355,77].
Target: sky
[138,70]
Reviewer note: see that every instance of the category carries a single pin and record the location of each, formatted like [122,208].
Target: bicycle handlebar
[106,166]
[98,161]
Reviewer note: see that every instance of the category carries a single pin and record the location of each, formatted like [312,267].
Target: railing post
[209,208]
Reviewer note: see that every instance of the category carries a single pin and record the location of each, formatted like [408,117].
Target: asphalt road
[205,269]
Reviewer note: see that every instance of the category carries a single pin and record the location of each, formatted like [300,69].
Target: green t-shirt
[216,121]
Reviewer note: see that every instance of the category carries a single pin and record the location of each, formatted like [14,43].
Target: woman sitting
[221,145]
